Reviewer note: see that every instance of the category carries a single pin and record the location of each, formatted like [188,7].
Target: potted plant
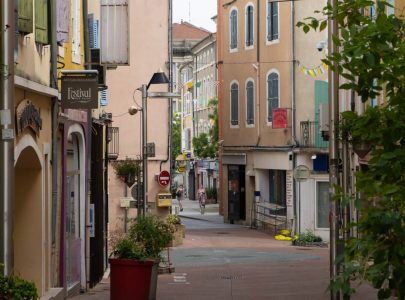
[179,230]
[16,288]
[135,254]
[127,170]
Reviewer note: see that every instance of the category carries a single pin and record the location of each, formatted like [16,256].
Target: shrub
[16,288]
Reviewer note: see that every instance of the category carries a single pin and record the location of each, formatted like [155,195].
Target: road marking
[179,278]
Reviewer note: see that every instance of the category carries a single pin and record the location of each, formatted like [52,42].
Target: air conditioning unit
[324,120]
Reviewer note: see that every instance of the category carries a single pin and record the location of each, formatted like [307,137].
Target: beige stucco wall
[148,54]
[32,194]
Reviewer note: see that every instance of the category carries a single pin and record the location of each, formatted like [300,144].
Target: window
[234,29]
[272,21]
[272,94]
[391,10]
[234,104]
[25,16]
[322,204]
[249,26]
[250,116]
[277,190]
[41,21]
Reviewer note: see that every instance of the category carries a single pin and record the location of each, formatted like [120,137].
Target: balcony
[113,142]
[311,136]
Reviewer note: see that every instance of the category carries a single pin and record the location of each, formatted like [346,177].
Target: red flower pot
[130,279]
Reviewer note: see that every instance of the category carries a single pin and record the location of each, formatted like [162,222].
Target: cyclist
[201,199]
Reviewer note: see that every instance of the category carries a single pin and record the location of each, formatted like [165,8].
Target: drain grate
[231,277]
[222,232]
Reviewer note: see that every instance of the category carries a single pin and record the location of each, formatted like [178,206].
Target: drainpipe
[293,112]
[55,112]
[257,67]
[88,150]
[170,100]
[7,134]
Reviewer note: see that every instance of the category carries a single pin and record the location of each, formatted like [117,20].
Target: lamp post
[157,78]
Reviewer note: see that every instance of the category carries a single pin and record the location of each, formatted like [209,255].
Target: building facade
[263,102]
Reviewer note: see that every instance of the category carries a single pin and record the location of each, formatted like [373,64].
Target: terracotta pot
[130,279]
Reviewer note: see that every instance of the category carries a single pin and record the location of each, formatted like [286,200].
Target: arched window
[249,26]
[233,24]
[250,116]
[234,104]
[272,94]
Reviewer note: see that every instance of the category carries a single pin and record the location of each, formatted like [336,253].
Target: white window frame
[278,25]
[267,94]
[246,102]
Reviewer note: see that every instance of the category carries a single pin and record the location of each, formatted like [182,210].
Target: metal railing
[113,142]
[311,135]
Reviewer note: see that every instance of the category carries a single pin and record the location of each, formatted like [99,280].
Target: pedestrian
[180,196]
[201,199]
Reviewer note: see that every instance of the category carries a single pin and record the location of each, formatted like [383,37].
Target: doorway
[236,193]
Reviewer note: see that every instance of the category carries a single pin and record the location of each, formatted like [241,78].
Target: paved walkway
[229,262]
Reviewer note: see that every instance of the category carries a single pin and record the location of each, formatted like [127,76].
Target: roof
[187,31]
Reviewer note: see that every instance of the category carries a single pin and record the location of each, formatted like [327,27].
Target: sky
[196,12]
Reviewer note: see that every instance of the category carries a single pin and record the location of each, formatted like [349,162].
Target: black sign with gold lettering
[80,91]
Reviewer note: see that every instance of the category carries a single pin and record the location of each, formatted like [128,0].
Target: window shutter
[90,25]
[249,38]
[25,14]
[103,98]
[234,30]
[274,21]
[269,21]
[273,95]
[234,104]
[249,103]
[62,20]
[41,21]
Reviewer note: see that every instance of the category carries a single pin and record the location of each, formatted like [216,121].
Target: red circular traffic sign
[164,178]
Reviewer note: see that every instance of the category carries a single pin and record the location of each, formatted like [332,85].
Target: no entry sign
[164,178]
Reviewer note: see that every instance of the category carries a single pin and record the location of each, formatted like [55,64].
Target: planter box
[178,235]
[130,279]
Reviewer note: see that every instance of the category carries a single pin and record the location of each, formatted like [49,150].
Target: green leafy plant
[145,239]
[15,288]
[173,219]
[371,58]
[176,138]
[127,169]
[306,237]
[211,193]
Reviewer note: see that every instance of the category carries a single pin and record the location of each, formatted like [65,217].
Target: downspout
[258,72]
[55,113]
[293,108]
[88,148]
[170,104]
[7,143]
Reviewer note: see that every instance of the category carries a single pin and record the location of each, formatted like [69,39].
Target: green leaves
[371,59]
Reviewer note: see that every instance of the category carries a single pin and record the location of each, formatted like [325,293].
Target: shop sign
[28,116]
[280,119]
[80,91]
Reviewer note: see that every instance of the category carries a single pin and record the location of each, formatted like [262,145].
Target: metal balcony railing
[113,142]
[311,135]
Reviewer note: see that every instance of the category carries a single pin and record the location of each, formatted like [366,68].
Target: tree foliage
[206,145]
[176,137]
[371,58]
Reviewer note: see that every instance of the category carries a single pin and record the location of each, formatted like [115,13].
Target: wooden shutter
[234,29]
[274,21]
[249,26]
[273,95]
[234,104]
[41,21]
[249,103]
[62,20]
[25,16]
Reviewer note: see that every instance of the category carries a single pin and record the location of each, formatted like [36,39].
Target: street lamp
[157,78]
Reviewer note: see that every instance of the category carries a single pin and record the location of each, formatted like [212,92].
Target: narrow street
[222,261]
